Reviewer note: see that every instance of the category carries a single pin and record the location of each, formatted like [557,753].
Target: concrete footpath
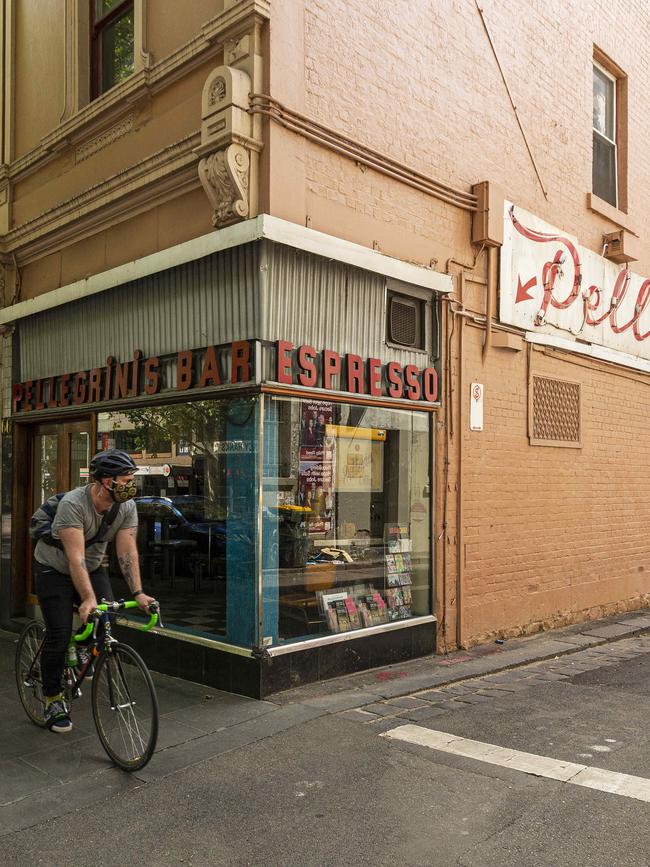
[43,776]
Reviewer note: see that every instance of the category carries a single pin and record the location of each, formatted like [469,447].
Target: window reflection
[196,508]
[46,456]
[347,525]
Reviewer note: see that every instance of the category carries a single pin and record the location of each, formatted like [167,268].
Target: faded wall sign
[552,285]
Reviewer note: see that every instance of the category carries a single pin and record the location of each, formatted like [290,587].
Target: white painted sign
[144,470]
[231,447]
[551,285]
[476,391]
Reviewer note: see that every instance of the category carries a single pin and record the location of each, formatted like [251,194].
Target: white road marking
[539,766]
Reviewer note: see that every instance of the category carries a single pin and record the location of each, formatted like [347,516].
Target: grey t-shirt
[76,509]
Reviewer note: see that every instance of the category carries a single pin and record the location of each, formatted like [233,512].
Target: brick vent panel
[555,411]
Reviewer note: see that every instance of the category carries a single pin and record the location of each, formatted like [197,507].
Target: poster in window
[359,459]
[315,418]
[315,480]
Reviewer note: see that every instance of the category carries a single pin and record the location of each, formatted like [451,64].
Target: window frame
[97,26]
[615,120]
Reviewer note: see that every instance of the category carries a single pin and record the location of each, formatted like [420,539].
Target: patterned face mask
[125,491]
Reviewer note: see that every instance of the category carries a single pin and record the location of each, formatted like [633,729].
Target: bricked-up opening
[554,412]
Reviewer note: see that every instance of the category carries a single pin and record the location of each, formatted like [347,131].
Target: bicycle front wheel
[125,707]
[28,671]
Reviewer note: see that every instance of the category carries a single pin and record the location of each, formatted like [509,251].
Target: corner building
[376,339]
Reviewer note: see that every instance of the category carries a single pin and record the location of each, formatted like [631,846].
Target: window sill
[614,215]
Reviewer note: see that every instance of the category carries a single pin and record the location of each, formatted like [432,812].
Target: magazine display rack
[398,547]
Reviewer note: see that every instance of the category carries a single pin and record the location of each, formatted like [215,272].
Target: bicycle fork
[113,699]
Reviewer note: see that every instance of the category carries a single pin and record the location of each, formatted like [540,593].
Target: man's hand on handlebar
[86,608]
[144,601]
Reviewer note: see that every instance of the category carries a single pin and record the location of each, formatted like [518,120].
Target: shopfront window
[197,506]
[346,538]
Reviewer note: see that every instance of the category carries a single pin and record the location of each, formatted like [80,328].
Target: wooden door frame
[24,434]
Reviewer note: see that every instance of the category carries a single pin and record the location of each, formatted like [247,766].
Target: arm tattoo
[126,565]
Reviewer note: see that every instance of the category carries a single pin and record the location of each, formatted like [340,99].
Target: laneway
[333,789]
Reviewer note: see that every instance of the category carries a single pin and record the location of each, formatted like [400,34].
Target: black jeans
[56,596]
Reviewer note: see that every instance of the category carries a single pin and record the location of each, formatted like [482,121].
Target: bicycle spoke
[28,671]
[125,708]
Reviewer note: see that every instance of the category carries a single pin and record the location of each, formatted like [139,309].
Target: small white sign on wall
[476,406]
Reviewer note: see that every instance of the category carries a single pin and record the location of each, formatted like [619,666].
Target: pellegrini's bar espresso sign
[199,368]
[331,371]
[222,366]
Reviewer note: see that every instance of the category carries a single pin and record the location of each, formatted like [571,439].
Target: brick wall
[419,82]
[552,535]
[547,535]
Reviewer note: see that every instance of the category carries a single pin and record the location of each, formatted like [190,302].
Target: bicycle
[123,697]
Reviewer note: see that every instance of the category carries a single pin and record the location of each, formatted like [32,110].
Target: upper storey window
[605,180]
[112,43]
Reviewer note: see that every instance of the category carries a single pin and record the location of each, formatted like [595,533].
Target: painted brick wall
[419,82]
[552,535]
[547,535]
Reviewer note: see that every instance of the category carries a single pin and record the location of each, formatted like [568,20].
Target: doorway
[51,458]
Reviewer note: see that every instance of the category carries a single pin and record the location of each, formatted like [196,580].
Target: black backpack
[40,526]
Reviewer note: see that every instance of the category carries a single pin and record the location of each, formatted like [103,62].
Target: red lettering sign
[184,370]
[355,374]
[331,368]
[210,372]
[309,374]
[304,365]
[241,366]
[151,378]
[284,362]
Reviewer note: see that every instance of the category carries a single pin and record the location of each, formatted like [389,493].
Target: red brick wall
[419,82]
[548,535]
[552,534]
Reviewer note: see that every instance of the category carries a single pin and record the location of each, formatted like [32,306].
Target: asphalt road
[331,790]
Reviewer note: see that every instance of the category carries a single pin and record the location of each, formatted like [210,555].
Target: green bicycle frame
[116,606]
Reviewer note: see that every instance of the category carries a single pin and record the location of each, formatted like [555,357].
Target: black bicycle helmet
[112,462]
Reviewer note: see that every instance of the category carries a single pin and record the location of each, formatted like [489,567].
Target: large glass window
[346,520]
[197,506]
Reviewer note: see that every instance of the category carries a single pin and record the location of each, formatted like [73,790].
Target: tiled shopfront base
[259,678]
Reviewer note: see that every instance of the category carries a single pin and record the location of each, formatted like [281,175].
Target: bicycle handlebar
[119,606]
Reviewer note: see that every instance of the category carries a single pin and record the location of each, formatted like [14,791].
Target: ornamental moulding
[226,144]
[147,82]
[87,149]
[98,203]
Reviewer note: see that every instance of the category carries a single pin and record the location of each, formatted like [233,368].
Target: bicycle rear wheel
[28,671]
[125,707]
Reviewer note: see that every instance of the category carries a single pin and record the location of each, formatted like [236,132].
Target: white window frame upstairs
[601,135]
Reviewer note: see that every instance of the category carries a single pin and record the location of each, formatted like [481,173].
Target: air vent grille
[404,322]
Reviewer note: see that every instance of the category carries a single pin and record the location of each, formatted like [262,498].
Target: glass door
[60,454]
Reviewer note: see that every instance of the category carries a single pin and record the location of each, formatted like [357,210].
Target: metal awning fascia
[263,226]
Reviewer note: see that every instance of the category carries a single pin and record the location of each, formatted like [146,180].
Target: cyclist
[68,571]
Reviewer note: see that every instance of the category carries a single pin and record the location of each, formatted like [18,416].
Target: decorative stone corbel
[226,144]
[9,281]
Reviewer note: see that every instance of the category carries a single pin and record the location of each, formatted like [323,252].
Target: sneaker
[84,655]
[56,715]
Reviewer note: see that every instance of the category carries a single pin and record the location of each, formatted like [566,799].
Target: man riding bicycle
[68,567]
